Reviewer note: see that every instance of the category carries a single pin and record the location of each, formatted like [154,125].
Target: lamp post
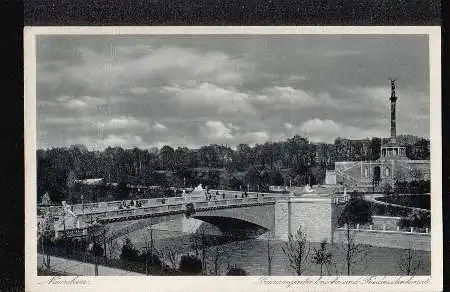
[91,221]
[151,251]
[64,227]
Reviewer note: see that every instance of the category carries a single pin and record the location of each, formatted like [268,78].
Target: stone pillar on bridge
[313,215]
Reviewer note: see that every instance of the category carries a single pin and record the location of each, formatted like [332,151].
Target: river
[252,256]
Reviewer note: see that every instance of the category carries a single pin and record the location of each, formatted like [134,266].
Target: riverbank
[63,266]
[251,255]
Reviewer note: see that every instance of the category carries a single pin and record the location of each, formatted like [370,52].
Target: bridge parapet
[173,207]
[115,205]
[162,206]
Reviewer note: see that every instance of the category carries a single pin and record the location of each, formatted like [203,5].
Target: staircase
[346,176]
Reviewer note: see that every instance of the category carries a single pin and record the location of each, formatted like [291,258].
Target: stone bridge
[246,217]
[240,217]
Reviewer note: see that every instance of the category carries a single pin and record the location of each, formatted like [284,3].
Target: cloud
[214,98]
[126,122]
[159,127]
[252,138]
[217,130]
[328,130]
[194,90]
[138,90]
[287,97]
[112,71]
[74,103]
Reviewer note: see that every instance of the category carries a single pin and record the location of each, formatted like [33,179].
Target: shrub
[236,272]
[97,249]
[153,259]
[129,252]
[190,264]
[356,211]
[416,219]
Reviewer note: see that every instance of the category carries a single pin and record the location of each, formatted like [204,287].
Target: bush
[97,249]
[357,211]
[190,265]
[156,262]
[129,252]
[236,272]
[416,219]
[412,187]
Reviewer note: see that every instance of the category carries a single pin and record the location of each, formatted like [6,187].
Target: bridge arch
[244,221]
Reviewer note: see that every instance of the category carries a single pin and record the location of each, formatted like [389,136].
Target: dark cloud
[193,90]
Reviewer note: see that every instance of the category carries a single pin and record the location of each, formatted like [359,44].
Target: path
[78,268]
[373,198]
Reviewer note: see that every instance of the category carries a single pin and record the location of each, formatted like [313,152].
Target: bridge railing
[169,207]
[176,207]
[251,200]
[201,204]
[221,202]
[115,205]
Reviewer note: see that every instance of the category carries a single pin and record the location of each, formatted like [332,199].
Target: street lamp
[151,251]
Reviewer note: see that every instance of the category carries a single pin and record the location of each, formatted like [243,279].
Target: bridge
[231,213]
[253,214]
[234,215]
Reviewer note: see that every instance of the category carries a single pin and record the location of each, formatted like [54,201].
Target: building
[392,165]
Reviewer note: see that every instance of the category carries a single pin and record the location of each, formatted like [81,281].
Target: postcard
[233,158]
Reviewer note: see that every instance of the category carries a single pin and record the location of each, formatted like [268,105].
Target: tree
[96,249]
[387,189]
[113,247]
[409,263]
[297,250]
[199,243]
[322,256]
[270,252]
[190,264]
[252,176]
[416,174]
[149,251]
[275,178]
[168,253]
[421,150]
[356,211]
[70,183]
[123,190]
[236,272]
[129,252]
[218,256]
[46,235]
[167,157]
[400,183]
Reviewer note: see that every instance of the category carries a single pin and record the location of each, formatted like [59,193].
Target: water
[252,256]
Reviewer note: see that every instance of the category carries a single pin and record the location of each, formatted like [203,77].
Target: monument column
[393,100]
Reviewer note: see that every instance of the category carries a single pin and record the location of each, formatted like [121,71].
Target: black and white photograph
[233,154]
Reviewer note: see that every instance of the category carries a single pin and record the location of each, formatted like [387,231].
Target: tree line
[295,161]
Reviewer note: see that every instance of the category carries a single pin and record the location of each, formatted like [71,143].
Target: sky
[192,90]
